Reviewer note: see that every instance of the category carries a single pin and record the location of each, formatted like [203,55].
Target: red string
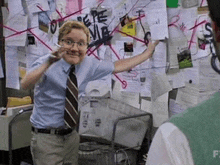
[173,23]
[114,51]
[39,39]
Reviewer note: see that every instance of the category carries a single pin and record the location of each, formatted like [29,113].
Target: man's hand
[56,55]
[151,47]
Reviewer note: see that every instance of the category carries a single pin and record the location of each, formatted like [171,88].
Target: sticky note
[129,28]
[172,3]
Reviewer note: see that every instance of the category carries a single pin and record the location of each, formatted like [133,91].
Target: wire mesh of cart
[93,153]
[96,153]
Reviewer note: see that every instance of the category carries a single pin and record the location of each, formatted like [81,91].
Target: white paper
[15,7]
[61,7]
[16,22]
[21,51]
[155,16]
[12,72]
[176,79]
[188,95]
[146,81]
[139,78]
[146,85]
[205,95]
[149,4]
[130,98]
[33,20]
[121,7]
[159,58]
[146,105]
[132,79]
[160,85]
[37,6]
[160,110]
[90,3]
[191,75]
[19,24]
[208,78]
[157,19]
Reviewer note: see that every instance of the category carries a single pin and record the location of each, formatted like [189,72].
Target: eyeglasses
[70,43]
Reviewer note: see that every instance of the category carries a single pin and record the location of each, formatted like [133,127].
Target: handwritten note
[157,19]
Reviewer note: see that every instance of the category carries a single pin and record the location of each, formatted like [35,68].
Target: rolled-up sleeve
[102,69]
[38,63]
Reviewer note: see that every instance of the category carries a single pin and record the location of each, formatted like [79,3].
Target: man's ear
[216,29]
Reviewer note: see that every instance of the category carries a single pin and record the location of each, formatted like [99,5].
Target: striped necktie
[71,117]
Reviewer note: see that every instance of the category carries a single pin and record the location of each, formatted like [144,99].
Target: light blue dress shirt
[49,92]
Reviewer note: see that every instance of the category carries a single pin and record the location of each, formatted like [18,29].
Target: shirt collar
[66,66]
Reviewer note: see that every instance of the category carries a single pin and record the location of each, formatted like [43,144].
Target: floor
[20,157]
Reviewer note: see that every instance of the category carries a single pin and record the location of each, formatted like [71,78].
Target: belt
[53,131]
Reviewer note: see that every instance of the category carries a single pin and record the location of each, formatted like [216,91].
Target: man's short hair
[69,25]
[214,10]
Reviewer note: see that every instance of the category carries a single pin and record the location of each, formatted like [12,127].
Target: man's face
[75,45]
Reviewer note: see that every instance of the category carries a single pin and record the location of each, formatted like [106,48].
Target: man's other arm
[128,63]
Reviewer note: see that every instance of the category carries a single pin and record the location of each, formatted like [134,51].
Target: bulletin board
[4,91]
[2,80]
[178,76]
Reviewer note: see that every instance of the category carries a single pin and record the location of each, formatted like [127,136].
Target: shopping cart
[96,152]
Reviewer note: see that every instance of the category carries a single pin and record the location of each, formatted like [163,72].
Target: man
[191,137]
[53,141]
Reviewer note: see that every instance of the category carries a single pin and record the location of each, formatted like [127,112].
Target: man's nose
[74,46]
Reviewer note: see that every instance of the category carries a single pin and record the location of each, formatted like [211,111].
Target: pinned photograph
[31,39]
[184,59]
[128,47]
